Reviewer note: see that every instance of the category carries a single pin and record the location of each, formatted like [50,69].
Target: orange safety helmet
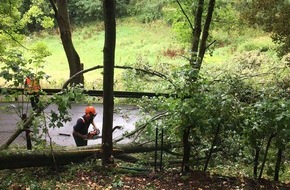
[90,109]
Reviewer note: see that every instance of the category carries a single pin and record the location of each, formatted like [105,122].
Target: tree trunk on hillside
[256,161]
[278,164]
[196,31]
[186,150]
[62,18]
[108,79]
[27,134]
[266,154]
[205,33]
[198,49]
[194,51]
[215,139]
[198,46]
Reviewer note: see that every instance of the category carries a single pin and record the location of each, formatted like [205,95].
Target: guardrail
[98,93]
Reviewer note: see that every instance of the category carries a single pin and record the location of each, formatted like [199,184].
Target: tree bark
[62,18]
[278,163]
[108,79]
[197,31]
[40,158]
[27,133]
[266,154]
[186,149]
[45,158]
[212,147]
[256,161]
[205,33]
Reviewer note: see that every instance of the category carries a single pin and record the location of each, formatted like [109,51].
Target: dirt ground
[174,180]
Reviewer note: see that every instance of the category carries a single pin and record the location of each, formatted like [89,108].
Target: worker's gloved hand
[97,131]
[93,133]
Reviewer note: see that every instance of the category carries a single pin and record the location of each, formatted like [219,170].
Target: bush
[146,11]
[85,11]
[89,10]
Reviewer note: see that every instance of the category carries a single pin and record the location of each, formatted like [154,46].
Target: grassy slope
[134,40]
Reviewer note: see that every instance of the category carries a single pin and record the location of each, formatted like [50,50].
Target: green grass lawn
[134,41]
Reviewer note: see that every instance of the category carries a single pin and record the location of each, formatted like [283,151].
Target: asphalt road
[124,116]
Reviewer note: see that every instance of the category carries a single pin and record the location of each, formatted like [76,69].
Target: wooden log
[12,160]
[39,158]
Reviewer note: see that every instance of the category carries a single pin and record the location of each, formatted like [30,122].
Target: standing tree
[61,15]
[108,79]
[11,22]
[198,49]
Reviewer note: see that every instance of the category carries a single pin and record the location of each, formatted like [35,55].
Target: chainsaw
[94,134]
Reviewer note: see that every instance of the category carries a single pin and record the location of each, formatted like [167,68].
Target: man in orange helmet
[80,130]
[32,88]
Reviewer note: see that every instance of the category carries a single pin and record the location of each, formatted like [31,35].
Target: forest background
[246,70]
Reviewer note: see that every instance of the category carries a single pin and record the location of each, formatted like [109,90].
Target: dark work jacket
[82,126]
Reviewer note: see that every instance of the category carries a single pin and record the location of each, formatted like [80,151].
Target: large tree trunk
[46,158]
[62,18]
[39,158]
[108,79]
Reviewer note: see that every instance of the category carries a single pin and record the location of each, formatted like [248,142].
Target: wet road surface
[125,116]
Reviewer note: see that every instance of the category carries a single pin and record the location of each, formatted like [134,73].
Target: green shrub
[85,11]
[89,10]
[146,10]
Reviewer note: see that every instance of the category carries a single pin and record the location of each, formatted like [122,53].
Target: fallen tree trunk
[40,158]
